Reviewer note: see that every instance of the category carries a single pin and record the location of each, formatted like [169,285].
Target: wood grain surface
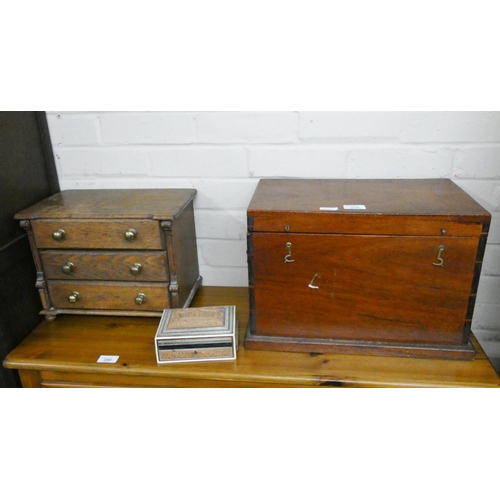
[109,295]
[95,265]
[390,207]
[63,353]
[394,262]
[110,245]
[362,287]
[158,204]
[97,234]
[433,197]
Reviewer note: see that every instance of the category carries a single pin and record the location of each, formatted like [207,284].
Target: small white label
[329,209]
[354,207]
[107,359]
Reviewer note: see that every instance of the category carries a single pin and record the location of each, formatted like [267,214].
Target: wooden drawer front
[107,296]
[362,224]
[97,234]
[115,266]
[362,287]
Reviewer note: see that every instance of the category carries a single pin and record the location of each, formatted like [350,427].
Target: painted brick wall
[223,154]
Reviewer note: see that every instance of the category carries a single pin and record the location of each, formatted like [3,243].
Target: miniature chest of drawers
[385,267]
[114,252]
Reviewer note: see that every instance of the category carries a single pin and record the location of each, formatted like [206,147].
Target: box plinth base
[464,352]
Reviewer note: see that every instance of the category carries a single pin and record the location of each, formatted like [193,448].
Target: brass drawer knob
[73,297]
[136,269]
[140,299]
[130,234]
[59,235]
[68,268]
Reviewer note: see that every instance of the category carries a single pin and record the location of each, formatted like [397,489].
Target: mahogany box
[384,267]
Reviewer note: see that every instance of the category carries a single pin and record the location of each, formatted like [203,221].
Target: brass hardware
[131,234]
[287,228]
[68,268]
[312,281]
[140,299]
[288,256]
[73,297]
[136,269]
[439,259]
[59,235]
[443,231]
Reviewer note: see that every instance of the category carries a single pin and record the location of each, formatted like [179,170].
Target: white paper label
[107,359]
[354,207]
[329,209]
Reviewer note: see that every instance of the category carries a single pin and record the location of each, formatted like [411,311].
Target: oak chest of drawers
[114,252]
[386,267]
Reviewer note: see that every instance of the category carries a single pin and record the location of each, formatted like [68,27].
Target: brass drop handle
[73,297]
[311,285]
[68,268]
[140,299]
[136,269]
[59,235]
[439,260]
[288,256]
[130,234]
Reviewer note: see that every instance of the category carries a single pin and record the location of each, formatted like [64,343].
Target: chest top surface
[111,203]
[377,206]
[378,196]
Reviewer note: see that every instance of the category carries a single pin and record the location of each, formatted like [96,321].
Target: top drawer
[362,224]
[97,234]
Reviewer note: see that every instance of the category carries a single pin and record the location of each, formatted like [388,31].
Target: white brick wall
[223,154]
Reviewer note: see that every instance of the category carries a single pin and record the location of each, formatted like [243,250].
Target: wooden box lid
[157,204]
[197,322]
[365,206]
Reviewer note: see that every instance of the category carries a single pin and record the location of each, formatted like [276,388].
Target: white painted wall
[223,154]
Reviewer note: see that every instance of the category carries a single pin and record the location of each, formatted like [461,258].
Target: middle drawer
[96,265]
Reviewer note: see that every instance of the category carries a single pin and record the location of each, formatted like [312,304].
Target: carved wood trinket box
[385,267]
[114,252]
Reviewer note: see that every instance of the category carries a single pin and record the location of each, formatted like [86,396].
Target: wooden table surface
[64,353]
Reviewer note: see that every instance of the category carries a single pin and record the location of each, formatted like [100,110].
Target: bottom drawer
[109,296]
